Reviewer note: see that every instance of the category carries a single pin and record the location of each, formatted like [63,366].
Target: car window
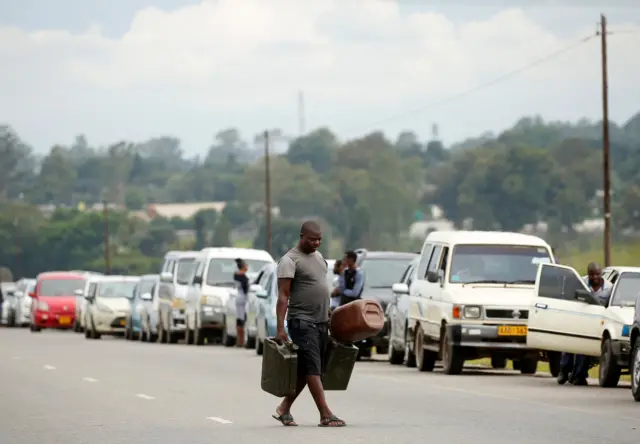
[559,283]
[60,287]
[184,270]
[424,260]
[434,263]
[116,289]
[627,291]
[221,270]
[383,272]
[409,277]
[497,263]
[146,286]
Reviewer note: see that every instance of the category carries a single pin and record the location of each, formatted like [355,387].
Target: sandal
[332,421]
[286,419]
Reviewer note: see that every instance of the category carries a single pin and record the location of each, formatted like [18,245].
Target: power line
[488,84]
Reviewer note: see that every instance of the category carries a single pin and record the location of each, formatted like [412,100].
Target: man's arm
[286,272]
[357,286]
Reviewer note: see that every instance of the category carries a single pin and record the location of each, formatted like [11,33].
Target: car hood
[58,303]
[115,304]
[493,295]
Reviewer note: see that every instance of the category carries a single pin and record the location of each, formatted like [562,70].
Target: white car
[108,305]
[211,297]
[470,299]
[564,316]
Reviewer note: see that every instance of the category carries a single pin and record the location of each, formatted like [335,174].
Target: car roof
[117,278]
[236,253]
[150,277]
[177,254]
[365,254]
[62,275]
[485,238]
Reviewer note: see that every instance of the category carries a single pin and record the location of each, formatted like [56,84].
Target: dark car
[634,359]
[381,270]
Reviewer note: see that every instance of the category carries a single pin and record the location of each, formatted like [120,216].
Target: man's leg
[566,367]
[580,370]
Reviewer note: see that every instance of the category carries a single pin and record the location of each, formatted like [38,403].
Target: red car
[54,299]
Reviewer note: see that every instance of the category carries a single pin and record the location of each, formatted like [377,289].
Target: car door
[194,292]
[402,308]
[557,320]
[392,309]
[417,294]
[433,295]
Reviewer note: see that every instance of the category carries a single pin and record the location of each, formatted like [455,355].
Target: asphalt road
[57,387]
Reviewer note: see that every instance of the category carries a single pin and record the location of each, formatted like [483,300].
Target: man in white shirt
[575,368]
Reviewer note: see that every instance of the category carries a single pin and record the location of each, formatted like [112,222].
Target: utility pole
[105,217]
[267,191]
[605,144]
[18,266]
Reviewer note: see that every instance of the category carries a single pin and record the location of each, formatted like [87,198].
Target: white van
[176,272]
[471,299]
[211,303]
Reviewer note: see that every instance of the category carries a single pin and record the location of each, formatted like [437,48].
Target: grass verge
[542,367]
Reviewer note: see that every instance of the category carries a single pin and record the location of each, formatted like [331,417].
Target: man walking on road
[303,297]
[575,368]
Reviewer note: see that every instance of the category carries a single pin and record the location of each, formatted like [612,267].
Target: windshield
[221,271]
[117,289]
[383,273]
[627,291]
[185,268]
[516,264]
[146,286]
[60,287]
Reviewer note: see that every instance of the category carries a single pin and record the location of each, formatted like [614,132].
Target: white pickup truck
[564,316]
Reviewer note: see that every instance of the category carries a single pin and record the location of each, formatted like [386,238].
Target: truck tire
[452,357]
[609,373]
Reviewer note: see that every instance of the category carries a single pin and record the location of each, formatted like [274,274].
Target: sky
[135,69]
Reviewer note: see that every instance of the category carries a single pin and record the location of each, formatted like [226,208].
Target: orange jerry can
[357,320]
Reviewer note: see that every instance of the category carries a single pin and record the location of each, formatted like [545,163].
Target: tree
[222,233]
[315,149]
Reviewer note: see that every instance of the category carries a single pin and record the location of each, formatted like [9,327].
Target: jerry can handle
[290,345]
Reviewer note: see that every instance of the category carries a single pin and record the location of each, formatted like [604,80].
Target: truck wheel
[498,362]
[554,363]
[425,359]
[635,371]
[529,366]
[452,357]
[609,373]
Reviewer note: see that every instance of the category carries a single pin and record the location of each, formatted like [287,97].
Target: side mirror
[256,288]
[262,294]
[11,292]
[32,294]
[432,276]
[197,280]
[587,297]
[88,297]
[400,288]
[146,296]
[166,277]
[78,293]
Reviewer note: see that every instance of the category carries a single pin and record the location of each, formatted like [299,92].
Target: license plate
[123,322]
[512,330]
[64,320]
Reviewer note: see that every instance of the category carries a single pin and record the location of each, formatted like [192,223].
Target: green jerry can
[341,359]
[279,368]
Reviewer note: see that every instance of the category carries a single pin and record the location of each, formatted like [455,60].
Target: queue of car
[466,295]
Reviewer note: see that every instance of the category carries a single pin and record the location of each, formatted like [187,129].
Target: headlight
[43,306]
[211,300]
[472,312]
[103,308]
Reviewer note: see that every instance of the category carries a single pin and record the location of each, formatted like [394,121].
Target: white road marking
[143,396]
[220,420]
[89,379]
[49,367]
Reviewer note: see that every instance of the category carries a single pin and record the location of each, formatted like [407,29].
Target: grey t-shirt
[310,292]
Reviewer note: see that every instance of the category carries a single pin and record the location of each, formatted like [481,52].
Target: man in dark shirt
[351,280]
[303,297]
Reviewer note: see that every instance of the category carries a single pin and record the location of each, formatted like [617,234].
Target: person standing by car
[575,368]
[303,298]
[242,280]
[338,267]
[352,282]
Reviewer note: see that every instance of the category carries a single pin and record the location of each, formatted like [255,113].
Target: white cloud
[194,70]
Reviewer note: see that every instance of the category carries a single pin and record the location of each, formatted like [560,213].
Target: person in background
[338,267]
[303,299]
[352,279]
[242,280]
[575,368]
